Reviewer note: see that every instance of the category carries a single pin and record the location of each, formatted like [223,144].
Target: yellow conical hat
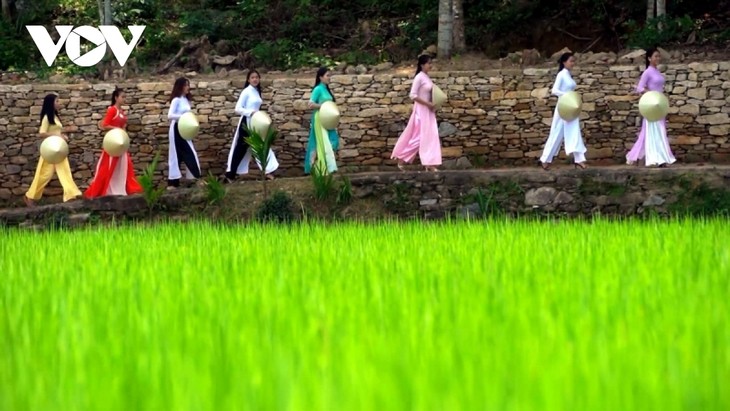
[54,149]
[116,142]
[188,126]
[260,123]
[653,105]
[329,115]
[438,97]
[569,105]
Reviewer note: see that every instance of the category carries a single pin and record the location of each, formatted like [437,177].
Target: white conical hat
[54,149]
[329,115]
[188,126]
[260,123]
[653,105]
[438,97]
[569,106]
[116,142]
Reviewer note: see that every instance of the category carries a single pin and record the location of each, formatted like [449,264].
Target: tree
[105,19]
[446,29]
[105,12]
[650,9]
[458,18]
[655,8]
[260,149]
[8,7]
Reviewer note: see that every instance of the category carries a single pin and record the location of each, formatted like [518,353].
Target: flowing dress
[240,155]
[564,130]
[180,150]
[652,143]
[114,175]
[322,143]
[421,135]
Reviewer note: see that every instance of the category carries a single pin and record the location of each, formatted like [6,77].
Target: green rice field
[402,316]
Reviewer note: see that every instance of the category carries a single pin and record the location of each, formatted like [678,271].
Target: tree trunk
[100,3]
[108,12]
[445,30]
[661,11]
[8,9]
[458,16]
[650,9]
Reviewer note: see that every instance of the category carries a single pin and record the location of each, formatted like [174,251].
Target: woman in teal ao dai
[322,143]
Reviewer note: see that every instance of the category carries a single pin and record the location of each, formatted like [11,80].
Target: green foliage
[591,187]
[286,54]
[286,34]
[324,182]
[216,24]
[400,201]
[150,192]
[701,200]
[14,52]
[548,316]
[260,149]
[490,200]
[17,50]
[214,189]
[344,195]
[660,31]
[355,57]
[486,203]
[57,220]
[276,209]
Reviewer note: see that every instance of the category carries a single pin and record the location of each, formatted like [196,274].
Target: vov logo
[102,37]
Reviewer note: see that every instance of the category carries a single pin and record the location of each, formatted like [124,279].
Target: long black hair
[321,72]
[248,76]
[115,94]
[422,59]
[563,58]
[649,52]
[49,108]
[177,89]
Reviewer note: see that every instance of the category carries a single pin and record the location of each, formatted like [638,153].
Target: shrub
[276,209]
[152,195]
[214,189]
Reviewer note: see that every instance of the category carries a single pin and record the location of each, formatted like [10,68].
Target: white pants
[173,163]
[564,130]
[271,164]
[657,145]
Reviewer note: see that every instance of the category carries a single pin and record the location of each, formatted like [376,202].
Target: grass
[491,316]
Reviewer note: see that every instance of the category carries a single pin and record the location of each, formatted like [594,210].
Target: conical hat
[188,126]
[260,123]
[438,97]
[54,149]
[653,105]
[569,105]
[116,142]
[329,115]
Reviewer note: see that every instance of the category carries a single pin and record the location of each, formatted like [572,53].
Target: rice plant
[402,316]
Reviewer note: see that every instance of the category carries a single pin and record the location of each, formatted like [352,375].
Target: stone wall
[616,191]
[493,118]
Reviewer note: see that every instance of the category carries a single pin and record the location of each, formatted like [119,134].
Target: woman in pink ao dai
[421,135]
[652,143]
